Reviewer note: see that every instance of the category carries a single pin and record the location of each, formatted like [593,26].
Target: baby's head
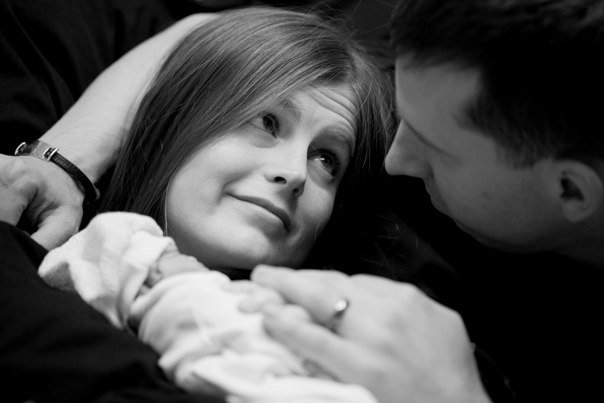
[172,262]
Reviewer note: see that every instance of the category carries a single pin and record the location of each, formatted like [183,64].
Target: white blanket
[205,342]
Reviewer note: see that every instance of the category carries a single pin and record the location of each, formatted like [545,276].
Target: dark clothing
[535,318]
[392,248]
[538,317]
[52,50]
[55,348]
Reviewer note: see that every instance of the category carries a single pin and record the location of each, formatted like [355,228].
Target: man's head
[500,115]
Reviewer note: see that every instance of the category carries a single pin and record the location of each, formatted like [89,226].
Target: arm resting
[106,109]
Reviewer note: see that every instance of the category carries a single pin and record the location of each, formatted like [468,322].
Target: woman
[250,133]
[264,110]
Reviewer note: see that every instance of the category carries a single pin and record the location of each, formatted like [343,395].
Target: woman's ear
[580,189]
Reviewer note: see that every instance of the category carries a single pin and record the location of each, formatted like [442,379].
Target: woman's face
[262,193]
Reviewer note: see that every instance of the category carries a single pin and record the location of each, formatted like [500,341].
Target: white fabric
[107,262]
[205,342]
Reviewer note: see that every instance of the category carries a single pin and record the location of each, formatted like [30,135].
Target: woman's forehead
[339,100]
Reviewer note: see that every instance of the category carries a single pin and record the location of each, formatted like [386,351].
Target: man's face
[464,170]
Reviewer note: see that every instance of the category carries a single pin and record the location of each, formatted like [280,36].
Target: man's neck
[590,252]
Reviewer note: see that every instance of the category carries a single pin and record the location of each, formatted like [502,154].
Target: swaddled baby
[122,265]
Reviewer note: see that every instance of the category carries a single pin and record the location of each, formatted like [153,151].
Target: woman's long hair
[224,74]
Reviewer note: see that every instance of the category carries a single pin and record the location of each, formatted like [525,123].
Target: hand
[40,196]
[393,339]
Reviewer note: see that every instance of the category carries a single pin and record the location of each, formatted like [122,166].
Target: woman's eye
[327,161]
[267,123]
[270,123]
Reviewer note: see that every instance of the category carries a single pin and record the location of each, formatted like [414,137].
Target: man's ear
[580,190]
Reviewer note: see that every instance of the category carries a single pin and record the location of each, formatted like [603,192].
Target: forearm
[90,133]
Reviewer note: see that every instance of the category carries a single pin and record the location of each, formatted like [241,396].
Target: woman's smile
[266,206]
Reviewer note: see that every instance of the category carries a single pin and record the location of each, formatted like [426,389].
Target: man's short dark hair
[541,66]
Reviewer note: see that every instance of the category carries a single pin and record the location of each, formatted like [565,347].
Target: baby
[122,265]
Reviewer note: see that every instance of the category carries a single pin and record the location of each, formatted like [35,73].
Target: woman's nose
[290,172]
[407,156]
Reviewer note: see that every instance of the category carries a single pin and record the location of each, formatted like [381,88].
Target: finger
[259,298]
[309,340]
[240,286]
[292,312]
[315,291]
[378,285]
[327,276]
[11,211]
[13,202]
[17,188]
[56,228]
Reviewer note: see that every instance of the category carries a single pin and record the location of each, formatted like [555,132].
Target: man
[500,124]
[495,118]
[498,121]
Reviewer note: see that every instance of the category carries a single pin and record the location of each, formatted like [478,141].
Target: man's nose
[407,155]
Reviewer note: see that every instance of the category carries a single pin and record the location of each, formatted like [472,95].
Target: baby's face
[173,262]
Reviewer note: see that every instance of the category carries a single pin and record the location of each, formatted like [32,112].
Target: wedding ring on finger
[339,309]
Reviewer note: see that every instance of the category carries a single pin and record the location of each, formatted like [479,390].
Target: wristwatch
[46,152]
